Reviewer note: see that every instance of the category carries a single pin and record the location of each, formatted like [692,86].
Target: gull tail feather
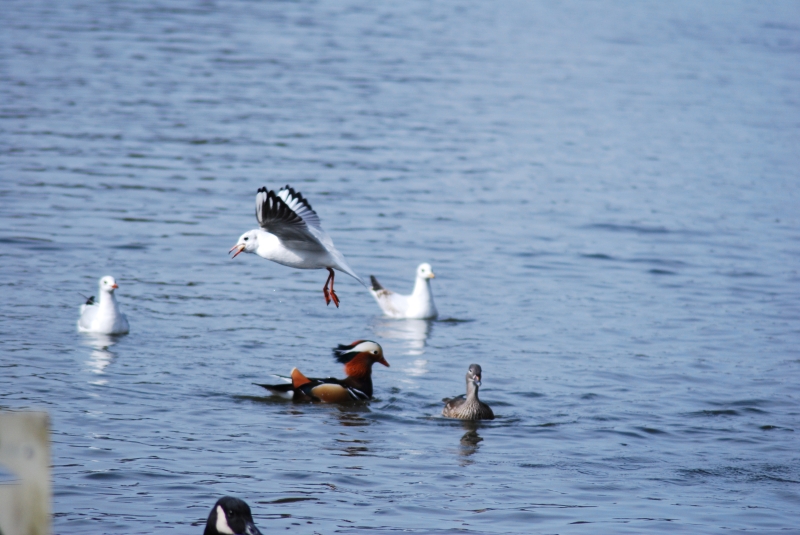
[375,284]
[344,268]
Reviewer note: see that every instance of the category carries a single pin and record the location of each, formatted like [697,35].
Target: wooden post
[25,452]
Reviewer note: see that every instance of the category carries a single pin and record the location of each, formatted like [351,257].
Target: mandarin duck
[357,358]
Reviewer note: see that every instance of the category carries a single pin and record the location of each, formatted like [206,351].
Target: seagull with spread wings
[291,234]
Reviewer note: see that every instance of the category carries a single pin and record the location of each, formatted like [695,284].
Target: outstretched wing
[299,205]
[287,215]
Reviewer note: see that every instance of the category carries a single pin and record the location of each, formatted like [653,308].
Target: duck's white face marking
[425,271]
[222,522]
[367,347]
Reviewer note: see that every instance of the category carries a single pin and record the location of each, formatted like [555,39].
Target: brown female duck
[469,407]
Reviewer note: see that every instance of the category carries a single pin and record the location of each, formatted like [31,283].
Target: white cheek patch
[365,347]
[222,522]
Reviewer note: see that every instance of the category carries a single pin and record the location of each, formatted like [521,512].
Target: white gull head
[108,284]
[425,271]
[248,243]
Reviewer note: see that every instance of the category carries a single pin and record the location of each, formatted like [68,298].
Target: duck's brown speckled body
[469,407]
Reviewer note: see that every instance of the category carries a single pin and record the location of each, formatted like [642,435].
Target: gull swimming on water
[418,305]
[103,316]
[291,234]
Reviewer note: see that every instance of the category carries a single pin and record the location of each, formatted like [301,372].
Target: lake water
[609,196]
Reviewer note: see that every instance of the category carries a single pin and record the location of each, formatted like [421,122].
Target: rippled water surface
[609,196]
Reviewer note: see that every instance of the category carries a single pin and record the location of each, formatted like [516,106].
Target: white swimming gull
[291,234]
[103,316]
[418,305]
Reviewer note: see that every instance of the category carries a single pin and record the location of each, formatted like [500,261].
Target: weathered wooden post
[25,452]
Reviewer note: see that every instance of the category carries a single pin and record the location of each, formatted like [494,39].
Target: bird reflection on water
[470,441]
[350,417]
[414,336]
[353,447]
[414,333]
[100,357]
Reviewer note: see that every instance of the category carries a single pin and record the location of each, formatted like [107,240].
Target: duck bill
[251,529]
[383,361]
[238,248]
[476,381]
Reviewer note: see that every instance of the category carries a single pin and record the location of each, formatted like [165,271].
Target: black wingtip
[271,208]
[375,284]
[90,301]
[297,195]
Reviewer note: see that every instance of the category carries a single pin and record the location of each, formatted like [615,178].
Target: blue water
[608,194]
